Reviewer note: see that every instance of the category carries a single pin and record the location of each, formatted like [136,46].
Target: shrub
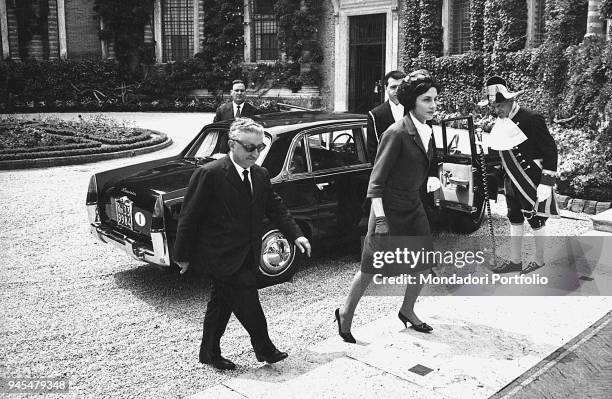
[578,177]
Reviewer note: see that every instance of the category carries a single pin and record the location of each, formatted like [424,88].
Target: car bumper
[138,250]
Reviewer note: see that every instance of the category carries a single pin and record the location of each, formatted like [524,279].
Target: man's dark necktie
[238,112]
[246,183]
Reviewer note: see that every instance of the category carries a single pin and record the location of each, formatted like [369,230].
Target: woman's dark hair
[408,92]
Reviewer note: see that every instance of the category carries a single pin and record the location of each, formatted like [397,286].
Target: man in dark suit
[238,107]
[220,230]
[385,114]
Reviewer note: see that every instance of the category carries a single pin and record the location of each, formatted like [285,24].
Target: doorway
[366,61]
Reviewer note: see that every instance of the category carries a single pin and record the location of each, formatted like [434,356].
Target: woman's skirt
[408,232]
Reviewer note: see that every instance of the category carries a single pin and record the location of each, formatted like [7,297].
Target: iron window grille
[177,29]
[266,37]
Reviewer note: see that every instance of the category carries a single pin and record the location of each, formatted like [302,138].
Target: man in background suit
[220,230]
[238,107]
[385,114]
[389,112]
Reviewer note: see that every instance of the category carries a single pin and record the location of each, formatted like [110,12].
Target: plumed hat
[496,91]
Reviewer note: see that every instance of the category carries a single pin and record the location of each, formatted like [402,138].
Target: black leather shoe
[423,327]
[277,356]
[507,266]
[218,362]
[346,336]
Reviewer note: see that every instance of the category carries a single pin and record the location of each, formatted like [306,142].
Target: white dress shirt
[235,106]
[397,110]
[240,169]
[424,131]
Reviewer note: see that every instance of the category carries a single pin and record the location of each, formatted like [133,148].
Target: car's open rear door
[459,173]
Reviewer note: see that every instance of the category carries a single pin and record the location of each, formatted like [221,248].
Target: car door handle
[321,186]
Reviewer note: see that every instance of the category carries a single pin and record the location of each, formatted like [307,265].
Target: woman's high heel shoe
[423,327]
[347,337]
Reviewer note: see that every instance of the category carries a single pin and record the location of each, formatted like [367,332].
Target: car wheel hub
[277,253]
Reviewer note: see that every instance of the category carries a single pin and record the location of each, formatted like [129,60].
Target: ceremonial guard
[529,157]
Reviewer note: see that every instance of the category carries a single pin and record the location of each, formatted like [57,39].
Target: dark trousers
[236,294]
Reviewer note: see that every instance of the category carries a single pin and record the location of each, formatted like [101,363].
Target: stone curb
[85,158]
[580,205]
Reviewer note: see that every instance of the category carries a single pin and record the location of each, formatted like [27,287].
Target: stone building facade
[361,39]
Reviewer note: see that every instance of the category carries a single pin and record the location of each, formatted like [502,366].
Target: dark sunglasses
[251,147]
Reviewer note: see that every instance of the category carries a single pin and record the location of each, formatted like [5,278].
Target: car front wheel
[277,262]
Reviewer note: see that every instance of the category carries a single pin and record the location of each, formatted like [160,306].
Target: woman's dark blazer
[401,168]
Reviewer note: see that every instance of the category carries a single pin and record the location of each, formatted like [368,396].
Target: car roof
[281,122]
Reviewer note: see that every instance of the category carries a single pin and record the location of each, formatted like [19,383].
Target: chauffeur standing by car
[238,107]
[219,231]
[529,158]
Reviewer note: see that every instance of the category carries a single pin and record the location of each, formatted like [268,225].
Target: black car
[320,168]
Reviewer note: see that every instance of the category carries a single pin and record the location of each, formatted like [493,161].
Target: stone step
[603,221]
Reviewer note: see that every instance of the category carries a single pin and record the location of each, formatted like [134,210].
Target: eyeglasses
[251,147]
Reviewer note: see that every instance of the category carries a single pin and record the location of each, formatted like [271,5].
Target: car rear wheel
[277,262]
[468,223]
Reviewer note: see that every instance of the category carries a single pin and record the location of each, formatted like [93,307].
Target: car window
[215,144]
[336,148]
[297,164]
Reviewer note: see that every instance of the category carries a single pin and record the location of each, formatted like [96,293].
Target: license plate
[123,206]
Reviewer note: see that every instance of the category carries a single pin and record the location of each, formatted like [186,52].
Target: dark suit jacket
[226,111]
[402,166]
[379,119]
[218,225]
[539,143]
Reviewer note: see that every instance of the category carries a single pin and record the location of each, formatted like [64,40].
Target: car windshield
[213,143]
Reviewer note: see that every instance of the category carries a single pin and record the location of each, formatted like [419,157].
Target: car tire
[467,223]
[277,261]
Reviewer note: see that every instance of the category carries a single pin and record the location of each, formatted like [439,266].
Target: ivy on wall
[412,29]
[566,23]
[431,27]
[606,9]
[476,24]
[512,32]
[297,24]
[124,23]
[223,42]
[492,24]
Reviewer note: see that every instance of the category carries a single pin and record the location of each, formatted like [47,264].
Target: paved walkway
[580,369]
[524,347]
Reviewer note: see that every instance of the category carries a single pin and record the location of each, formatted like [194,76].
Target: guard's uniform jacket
[524,165]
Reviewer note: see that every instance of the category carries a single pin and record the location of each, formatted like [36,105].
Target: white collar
[239,168]
[424,131]
[422,128]
[397,110]
[234,105]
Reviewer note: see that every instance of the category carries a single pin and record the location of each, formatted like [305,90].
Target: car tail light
[92,191]
[157,219]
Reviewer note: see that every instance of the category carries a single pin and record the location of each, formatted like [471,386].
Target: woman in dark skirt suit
[404,163]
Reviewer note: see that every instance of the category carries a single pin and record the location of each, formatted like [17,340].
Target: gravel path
[119,329]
